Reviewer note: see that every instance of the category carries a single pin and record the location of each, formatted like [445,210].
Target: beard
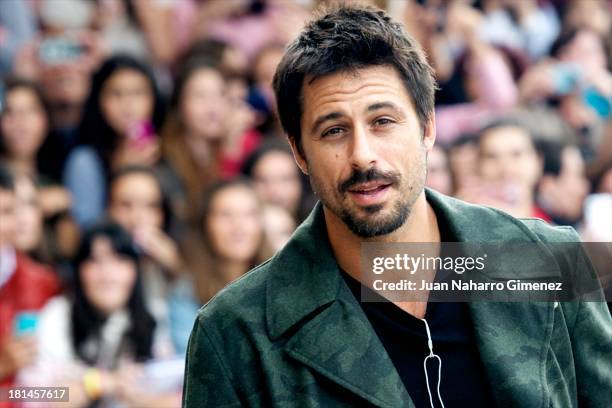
[376,221]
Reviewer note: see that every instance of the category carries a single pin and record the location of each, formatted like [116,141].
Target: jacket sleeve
[207,380]
[593,354]
[592,345]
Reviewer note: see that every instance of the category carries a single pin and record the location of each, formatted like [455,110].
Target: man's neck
[421,226]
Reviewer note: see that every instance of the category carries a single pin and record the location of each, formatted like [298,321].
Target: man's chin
[369,226]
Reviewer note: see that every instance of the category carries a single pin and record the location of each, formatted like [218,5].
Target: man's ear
[429,133]
[297,155]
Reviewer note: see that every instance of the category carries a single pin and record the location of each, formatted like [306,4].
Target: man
[355,97]
[25,286]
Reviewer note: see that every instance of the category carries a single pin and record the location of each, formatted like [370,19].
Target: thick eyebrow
[322,119]
[385,105]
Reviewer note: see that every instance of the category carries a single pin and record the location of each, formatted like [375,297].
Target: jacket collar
[308,302]
[307,276]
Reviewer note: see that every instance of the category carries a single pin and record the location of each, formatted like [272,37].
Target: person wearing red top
[25,286]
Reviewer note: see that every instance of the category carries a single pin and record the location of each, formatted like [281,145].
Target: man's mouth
[370,187]
[370,193]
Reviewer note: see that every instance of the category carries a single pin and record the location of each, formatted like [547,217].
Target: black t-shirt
[463,380]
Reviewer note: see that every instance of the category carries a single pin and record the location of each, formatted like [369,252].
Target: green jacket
[290,333]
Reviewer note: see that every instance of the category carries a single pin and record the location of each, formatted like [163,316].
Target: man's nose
[362,153]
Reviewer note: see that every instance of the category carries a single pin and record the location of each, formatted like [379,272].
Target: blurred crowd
[142,167]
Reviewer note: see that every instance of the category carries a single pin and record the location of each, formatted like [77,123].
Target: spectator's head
[7,207]
[463,160]
[263,71]
[275,176]
[232,222]
[123,96]
[66,86]
[200,100]
[438,171]
[29,216]
[107,284]
[136,199]
[345,41]
[24,121]
[563,186]
[507,156]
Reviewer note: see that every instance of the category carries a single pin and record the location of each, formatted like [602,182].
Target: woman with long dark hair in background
[208,134]
[227,242]
[24,128]
[96,340]
[120,123]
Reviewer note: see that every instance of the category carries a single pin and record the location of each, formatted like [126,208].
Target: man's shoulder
[241,301]
[482,223]
[551,233]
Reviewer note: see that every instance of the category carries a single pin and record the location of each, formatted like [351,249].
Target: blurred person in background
[276,178]
[529,26]
[17,27]
[438,171]
[24,127]
[122,116]
[577,81]
[463,161]
[44,243]
[563,186]
[29,225]
[99,340]
[278,224]
[247,24]
[25,286]
[228,243]
[61,57]
[262,94]
[594,14]
[137,203]
[509,169]
[204,138]
[477,82]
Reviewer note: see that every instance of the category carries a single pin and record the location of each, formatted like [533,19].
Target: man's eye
[332,132]
[383,121]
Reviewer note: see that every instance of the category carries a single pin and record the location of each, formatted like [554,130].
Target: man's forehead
[359,84]
[352,76]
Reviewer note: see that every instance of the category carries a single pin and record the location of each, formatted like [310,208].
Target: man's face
[363,148]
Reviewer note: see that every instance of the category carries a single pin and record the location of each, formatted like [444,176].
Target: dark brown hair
[346,39]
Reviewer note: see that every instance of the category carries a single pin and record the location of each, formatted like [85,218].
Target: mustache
[372,174]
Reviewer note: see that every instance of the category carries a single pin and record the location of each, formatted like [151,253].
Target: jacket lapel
[309,303]
[340,344]
[512,337]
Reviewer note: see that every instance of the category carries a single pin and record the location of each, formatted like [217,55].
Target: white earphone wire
[434,356]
